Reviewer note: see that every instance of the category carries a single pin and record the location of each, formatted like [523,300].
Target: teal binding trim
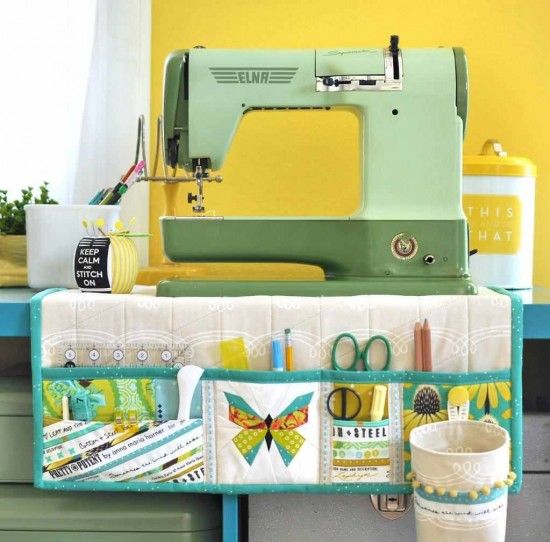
[237,489]
[107,373]
[323,375]
[516,429]
[462,497]
[36,365]
[274,377]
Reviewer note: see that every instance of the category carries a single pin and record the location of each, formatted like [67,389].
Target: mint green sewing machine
[409,235]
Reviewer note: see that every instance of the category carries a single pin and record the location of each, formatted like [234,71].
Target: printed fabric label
[495,222]
[91,264]
[169,451]
[457,516]
[360,452]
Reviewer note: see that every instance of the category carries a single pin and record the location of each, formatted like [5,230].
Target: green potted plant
[13,241]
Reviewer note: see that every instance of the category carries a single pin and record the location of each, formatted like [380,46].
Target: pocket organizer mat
[116,358]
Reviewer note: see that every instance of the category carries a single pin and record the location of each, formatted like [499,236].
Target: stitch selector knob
[404,246]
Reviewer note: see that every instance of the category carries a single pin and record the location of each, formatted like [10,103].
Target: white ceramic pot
[53,232]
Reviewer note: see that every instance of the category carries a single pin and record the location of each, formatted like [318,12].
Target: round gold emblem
[404,246]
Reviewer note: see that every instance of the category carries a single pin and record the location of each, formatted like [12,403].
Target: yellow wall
[283,164]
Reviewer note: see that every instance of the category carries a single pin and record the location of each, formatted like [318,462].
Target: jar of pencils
[106,263]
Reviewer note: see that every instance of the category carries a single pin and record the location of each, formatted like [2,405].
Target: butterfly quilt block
[281,429]
[267,433]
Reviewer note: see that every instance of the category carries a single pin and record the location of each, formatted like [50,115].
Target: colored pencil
[427,346]
[418,357]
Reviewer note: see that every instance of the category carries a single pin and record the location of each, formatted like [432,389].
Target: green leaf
[12,214]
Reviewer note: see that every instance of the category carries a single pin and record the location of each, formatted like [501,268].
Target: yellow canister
[499,203]
[106,264]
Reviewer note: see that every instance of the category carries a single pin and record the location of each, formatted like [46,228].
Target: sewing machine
[409,234]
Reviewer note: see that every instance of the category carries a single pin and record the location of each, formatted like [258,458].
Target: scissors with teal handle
[361,355]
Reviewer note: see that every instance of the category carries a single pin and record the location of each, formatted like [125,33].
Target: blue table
[536,313]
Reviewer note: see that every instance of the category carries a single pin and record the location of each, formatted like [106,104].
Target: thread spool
[107,264]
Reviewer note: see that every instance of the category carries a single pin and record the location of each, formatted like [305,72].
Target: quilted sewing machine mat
[117,358]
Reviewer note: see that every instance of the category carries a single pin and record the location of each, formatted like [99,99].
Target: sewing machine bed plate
[334,287]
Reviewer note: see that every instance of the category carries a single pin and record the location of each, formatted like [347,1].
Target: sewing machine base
[332,287]
[357,256]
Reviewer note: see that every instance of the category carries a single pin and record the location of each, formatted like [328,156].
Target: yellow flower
[490,392]
[426,409]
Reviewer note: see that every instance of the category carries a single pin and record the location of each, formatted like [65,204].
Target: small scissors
[361,355]
[350,408]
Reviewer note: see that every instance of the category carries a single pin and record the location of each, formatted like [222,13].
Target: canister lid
[494,160]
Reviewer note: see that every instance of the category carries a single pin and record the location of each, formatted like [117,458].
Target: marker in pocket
[378,403]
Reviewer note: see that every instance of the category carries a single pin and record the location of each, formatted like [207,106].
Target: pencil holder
[106,264]
[460,474]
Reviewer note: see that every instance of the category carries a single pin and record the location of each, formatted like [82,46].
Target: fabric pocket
[360,439]
[360,451]
[264,433]
[102,399]
[426,403]
[147,451]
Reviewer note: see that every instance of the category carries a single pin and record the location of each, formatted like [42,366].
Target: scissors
[350,407]
[361,355]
